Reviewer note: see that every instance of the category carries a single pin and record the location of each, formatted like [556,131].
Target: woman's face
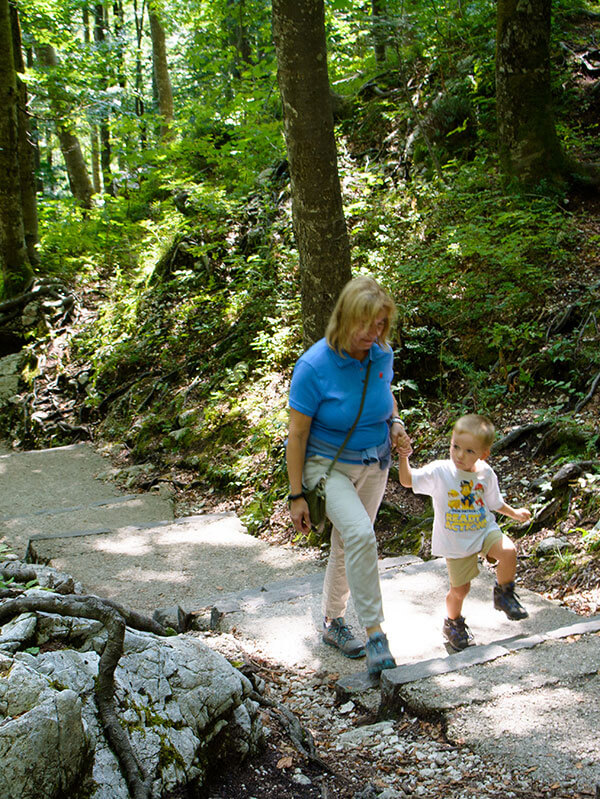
[365,335]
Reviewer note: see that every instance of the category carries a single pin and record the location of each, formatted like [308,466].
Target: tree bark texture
[379,33]
[14,261]
[318,216]
[161,73]
[27,152]
[79,180]
[528,145]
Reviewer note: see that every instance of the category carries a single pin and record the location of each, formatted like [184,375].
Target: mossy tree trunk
[528,146]
[318,216]
[14,260]
[161,73]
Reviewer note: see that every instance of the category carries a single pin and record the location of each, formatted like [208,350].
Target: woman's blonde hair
[360,302]
[479,426]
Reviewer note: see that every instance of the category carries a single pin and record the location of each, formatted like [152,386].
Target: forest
[185,188]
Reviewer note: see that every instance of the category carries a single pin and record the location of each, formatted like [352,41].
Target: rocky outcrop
[184,707]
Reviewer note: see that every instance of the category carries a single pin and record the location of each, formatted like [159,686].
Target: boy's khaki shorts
[463,570]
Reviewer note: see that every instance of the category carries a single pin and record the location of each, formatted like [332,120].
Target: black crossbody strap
[347,439]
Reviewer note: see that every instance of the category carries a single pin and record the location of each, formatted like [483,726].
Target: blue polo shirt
[328,388]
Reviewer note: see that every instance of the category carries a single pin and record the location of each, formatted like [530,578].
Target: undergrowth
[199,325]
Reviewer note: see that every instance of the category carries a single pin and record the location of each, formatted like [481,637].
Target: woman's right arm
[295,455]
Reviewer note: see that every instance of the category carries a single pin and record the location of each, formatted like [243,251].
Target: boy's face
[465,450]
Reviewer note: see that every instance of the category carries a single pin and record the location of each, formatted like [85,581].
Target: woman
[325,395]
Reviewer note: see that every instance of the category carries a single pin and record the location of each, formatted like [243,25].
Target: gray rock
[551,545]
[184,706]
[174,617]
[45,751]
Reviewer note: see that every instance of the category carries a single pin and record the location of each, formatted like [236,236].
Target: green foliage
[200,322]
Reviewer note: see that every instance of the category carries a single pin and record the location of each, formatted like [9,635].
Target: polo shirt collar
[375,353]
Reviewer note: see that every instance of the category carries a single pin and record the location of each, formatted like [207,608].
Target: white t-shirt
[462,504]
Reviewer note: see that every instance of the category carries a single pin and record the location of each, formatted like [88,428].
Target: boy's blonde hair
[360,301]
[479,426]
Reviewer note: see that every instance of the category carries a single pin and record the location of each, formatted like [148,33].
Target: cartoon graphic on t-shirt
[469,502]
[466,490]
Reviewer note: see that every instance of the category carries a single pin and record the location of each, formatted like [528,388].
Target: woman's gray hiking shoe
[506,599]
[379,656]
[457,633]
[338,634]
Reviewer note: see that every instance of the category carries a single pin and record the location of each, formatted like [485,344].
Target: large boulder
[186,709]
[45,748]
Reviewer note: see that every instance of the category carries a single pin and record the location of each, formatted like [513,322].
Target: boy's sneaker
[379,656]
[457,633]
[507,600]
[338,634]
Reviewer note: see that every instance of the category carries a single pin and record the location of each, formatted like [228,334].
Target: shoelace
[343,633]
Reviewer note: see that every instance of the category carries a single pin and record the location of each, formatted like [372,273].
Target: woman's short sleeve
[305,391]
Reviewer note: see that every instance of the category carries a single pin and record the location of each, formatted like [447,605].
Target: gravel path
[363,757]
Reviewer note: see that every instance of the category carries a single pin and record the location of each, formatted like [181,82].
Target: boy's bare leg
[505,554]
[455,598]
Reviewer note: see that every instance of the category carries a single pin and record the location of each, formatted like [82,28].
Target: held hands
[299,515]
[400,440]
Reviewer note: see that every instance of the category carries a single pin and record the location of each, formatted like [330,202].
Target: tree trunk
[318,216]
[14,261]
[161,74]
[27,154]
[79,180]
[527,142]
[95,155]
[379,36]
[100,27]
[139,77]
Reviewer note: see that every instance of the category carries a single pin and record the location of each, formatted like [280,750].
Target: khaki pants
[353,495]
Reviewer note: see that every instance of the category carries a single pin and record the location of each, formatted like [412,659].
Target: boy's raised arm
[518,514]
[404,471]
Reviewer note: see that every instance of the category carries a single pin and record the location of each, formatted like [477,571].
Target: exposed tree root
[300,737]
[115,618]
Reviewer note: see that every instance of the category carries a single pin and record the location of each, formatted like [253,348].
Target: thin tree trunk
[79,180]
[26,148]
[139,76]
[100,27]
[14,261]
[318,216]
[161,74]
[95,153]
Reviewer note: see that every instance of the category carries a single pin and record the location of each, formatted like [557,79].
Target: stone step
[102,515]
[188,562]
[285,620]
[533,701]
[52,478]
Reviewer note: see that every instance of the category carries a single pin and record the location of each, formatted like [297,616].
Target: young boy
[465,491]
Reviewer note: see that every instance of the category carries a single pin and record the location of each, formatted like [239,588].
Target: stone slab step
[105,514]
[533,701]
[413,601]
[187,562]
[52,478]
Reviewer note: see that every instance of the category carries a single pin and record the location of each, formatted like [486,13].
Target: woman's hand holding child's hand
[400,440]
